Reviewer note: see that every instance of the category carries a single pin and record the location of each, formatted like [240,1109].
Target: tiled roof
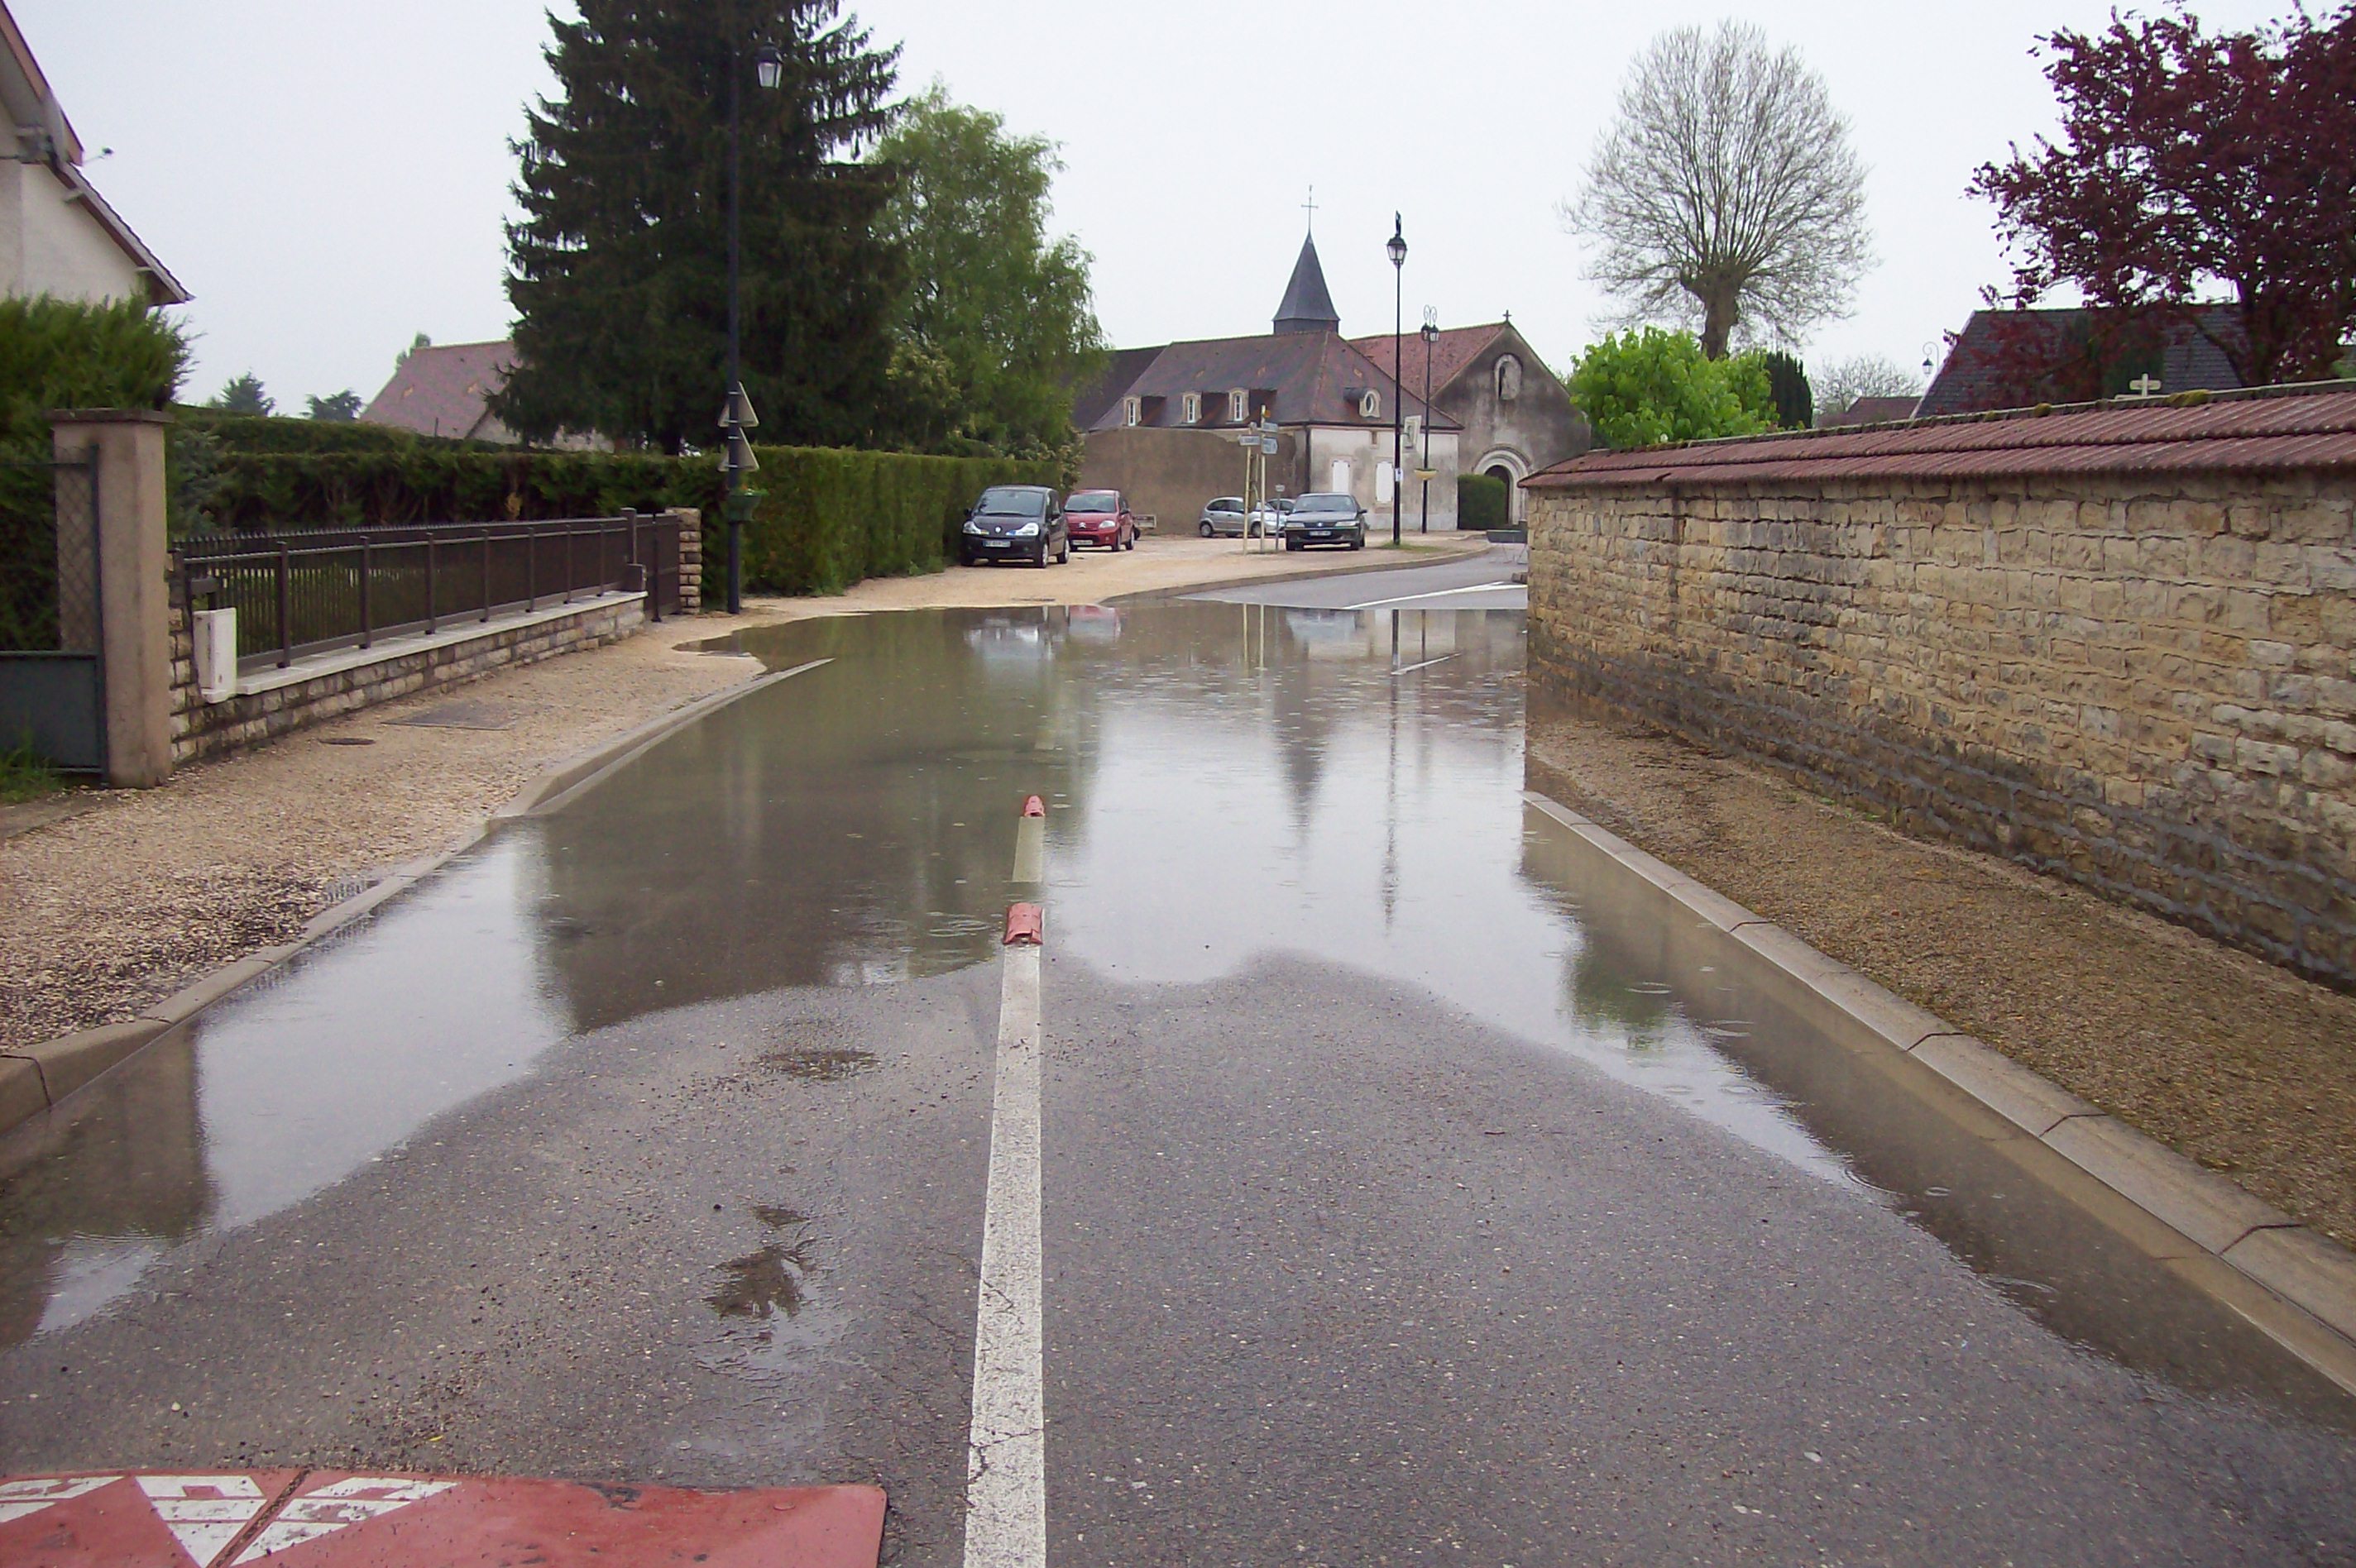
[1975,380]
[445,389]
[1451,351]
[1308,304]
[2275,429]
[1300,378]
[1091,402]
[1873,411]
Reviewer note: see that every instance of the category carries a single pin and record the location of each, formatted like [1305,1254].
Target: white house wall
[1364,451]
[51,243]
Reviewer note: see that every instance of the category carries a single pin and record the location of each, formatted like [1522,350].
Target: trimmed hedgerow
[1482,503]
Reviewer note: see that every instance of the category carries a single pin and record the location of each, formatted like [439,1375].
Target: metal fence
[319,590]
[52,675]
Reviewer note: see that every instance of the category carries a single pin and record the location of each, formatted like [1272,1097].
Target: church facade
[1165,422]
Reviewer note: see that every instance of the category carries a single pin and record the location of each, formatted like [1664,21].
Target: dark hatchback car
[1101,517]
[1326,518]
[1015,522]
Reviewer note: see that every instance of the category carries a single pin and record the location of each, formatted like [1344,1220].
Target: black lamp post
[1398,249]
[1430,334]
[738,416]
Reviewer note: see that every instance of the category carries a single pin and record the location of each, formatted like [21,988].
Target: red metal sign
[321,1518]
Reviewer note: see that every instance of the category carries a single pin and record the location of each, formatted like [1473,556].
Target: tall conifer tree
[619,266]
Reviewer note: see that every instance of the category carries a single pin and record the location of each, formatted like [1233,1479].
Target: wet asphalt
[1416,1189]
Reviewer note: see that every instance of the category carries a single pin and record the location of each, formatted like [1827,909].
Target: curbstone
[72,1061]
[2022,1097]
[21,1094]
[183,1005]
[2210,1210]
[2294,1262]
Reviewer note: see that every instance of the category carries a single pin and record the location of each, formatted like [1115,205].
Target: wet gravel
[2236,1063]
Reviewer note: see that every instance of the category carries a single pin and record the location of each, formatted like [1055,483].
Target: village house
[57,236]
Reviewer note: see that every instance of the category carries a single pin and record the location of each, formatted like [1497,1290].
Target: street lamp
[1423,461]
[738,417]
[1398,249]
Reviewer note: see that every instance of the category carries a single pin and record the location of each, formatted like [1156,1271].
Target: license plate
[997,544]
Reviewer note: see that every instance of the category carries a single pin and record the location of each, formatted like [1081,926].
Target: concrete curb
[1147,595]
[36,1077]
[2312,1276]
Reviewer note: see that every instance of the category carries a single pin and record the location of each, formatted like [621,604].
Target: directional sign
[292,1519]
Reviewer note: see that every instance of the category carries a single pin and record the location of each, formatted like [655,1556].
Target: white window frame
[1189,408]
[1238,411]
[1132,410]
[1370,406]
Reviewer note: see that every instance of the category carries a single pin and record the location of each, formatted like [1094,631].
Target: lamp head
[1398,246]
[769,67]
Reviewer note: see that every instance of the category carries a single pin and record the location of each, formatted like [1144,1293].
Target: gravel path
[138,894]
[2238,1064]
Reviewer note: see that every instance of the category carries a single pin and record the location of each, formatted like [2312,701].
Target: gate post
[126,448]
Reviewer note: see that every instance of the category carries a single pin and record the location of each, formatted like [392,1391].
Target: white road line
[1030,849]
[1425,664]
[1435,593]
[1006,1453]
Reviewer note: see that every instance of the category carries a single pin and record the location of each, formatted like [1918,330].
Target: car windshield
[1342,503]
[1093,501]
[1011,503]
[1226,504]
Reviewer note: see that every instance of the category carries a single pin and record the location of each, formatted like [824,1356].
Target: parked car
[1223,517]
[1016,522]
[1271,514]
[1325,517]
[1101,517]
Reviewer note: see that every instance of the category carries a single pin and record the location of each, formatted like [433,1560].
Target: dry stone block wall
[2145,684]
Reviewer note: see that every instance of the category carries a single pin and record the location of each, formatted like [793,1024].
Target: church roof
[1091,402]
[1451,351]
[1308,304]
[1295,378]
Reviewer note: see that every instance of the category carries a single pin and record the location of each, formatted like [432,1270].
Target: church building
[1163,424]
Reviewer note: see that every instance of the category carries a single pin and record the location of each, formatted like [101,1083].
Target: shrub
[1482,502]
[1650,388]
[1794,401]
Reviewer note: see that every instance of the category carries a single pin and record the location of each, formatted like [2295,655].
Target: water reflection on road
[1226,781]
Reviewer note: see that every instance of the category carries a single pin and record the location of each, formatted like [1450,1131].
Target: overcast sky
[330,179]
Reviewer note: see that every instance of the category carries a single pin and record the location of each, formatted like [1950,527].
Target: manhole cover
[465,713]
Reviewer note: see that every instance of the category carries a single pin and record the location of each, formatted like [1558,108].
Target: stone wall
[201,728]
[2144,685]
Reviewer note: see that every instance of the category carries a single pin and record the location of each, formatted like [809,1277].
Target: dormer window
[1370,405]
[1132,410]
[1189,408]
[1509,378]
[1237,410]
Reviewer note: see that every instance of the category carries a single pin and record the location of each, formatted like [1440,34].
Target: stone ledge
[409,645]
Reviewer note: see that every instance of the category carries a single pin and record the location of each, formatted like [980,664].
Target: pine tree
[1787,384]
[619,267]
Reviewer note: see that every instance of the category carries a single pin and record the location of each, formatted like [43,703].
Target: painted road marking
[204,1513]
[1425,664]
[1435,593]
[1006,1450]
[21,1500]
[327,1518]
[356,1500]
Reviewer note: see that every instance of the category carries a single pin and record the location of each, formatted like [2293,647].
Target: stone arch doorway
[1509,467]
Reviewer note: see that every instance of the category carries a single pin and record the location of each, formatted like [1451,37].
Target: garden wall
[2117,646]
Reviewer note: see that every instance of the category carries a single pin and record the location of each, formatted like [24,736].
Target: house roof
[1451,351]
[445,389]
[1973,379]
[1298,378]
[44,135]
[1873,411]
[2269,429]
[1308,304]
[1091,402]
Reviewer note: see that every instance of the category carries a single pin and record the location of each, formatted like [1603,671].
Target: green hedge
[1482,503]
[825,518]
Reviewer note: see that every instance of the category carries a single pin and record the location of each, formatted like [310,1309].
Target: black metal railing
[318,591]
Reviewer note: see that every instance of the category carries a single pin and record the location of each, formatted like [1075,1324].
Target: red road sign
[323,1519]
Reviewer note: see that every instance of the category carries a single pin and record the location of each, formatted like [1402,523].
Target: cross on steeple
[1310,206]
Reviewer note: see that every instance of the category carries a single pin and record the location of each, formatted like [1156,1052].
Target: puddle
[820,1066]
[763,1284]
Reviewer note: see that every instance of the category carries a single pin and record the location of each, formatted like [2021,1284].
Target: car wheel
[1207,530]
[1064,556]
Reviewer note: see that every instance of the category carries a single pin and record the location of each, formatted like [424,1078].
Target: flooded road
[1417,1183]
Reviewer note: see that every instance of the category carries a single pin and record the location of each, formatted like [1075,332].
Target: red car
[1101,517]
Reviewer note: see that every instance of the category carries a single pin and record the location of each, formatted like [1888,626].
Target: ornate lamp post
[1423,461]
[738,416]
[1398,249]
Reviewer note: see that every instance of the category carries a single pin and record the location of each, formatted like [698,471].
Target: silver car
[1224,516]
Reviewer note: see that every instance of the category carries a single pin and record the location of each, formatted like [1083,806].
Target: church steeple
[1308,306]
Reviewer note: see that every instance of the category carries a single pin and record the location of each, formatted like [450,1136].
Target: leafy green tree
[1650,388]
[994,312]
[618,269]
[1787,388]
[336,407]
[243,395]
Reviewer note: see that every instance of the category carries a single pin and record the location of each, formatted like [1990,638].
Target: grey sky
[330,179]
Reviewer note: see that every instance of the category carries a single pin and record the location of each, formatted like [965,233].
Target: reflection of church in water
[1163,424]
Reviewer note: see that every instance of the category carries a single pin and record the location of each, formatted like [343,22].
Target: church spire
[1308,305]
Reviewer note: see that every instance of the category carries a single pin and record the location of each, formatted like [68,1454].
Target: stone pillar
[133,584]
[691,559]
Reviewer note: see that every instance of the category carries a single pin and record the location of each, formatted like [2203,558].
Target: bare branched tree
[1727,196]
[1843,381]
